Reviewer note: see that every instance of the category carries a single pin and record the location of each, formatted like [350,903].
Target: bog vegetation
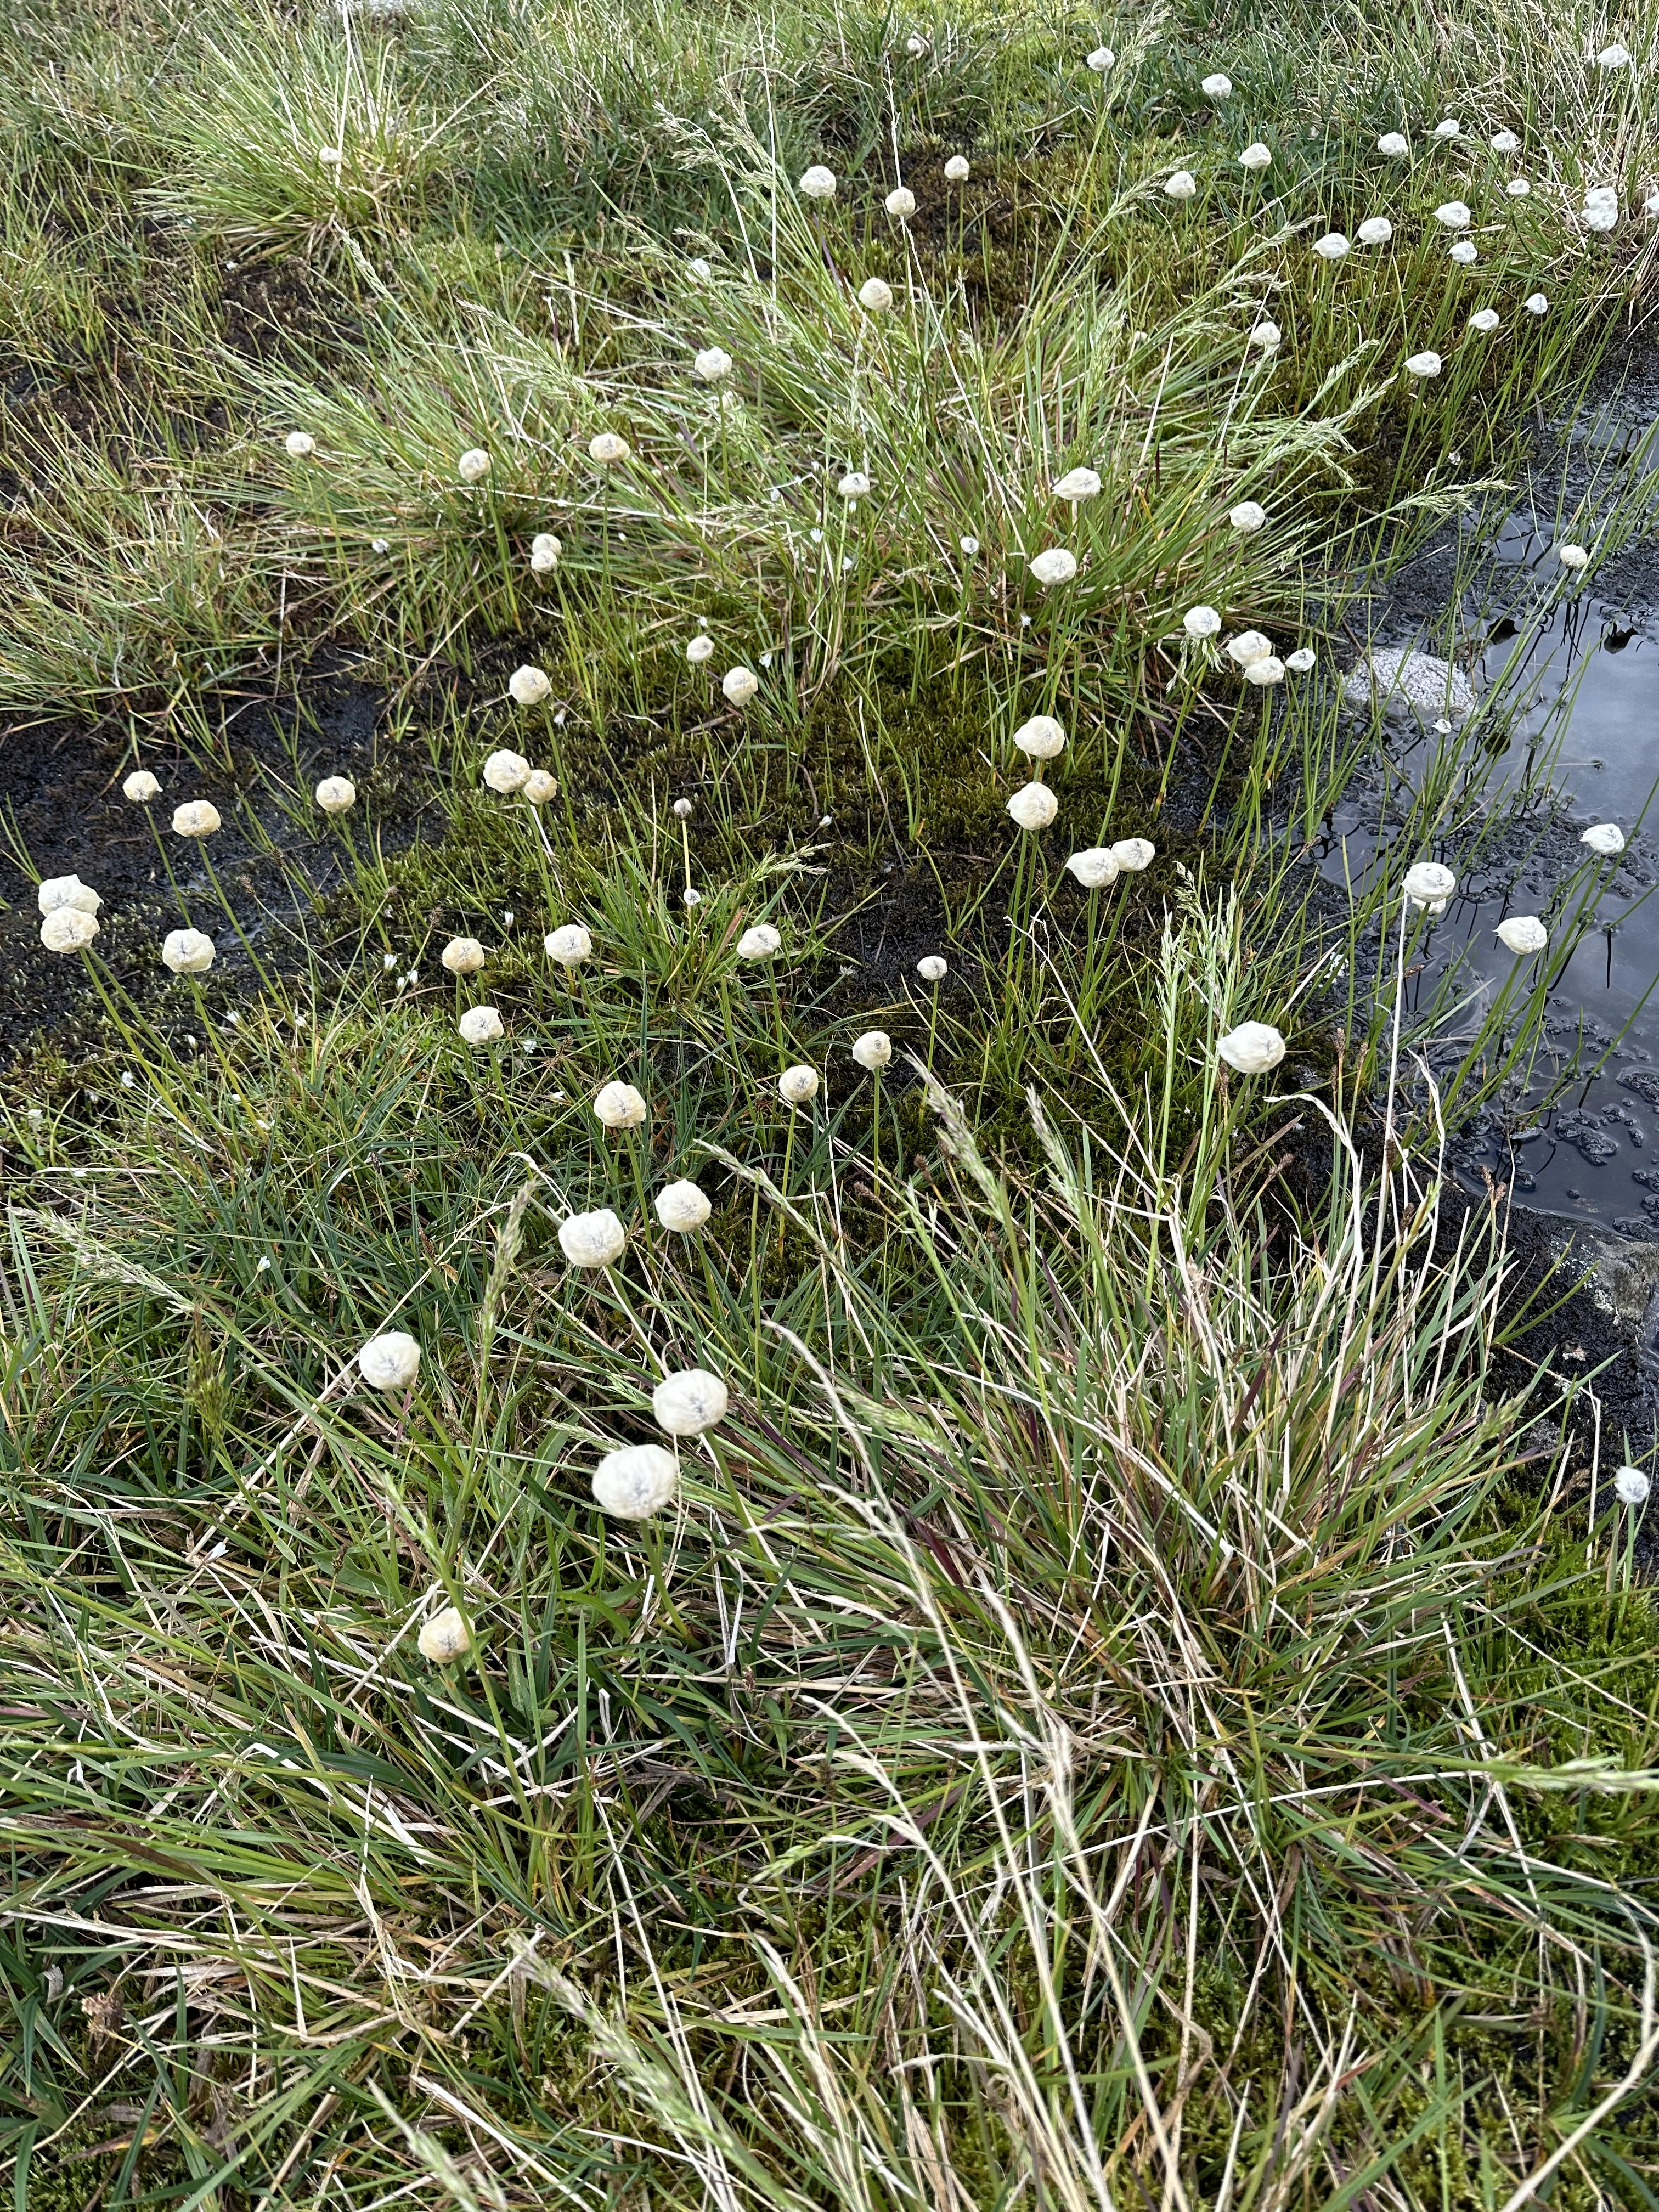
[752,1458]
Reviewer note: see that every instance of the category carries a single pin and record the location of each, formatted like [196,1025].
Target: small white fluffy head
[855,485]
[874,1050]
[1056,566]
[714,365]
[619,1106]
[1034,807]
[1094,867]
[799,1086]
[900,204]
[1248,515]
[480,1026]
[1426,363]
[67,929]
[700,648]
[818,183]
[444,1637]
[463,956]
[932,968]
[759,943]
[636,1481]
[544,550]
[187,951]
[875,295]
[1523,934]
[1536,303]
[1180,184]
[1606,838]
[608,448]
[390,1362]
[1429,884]
[1077,485]
[506,772]
[1504,141]
[299,443]
[569,944]
[1630,1487]
[688,1401]
[1101,60]
[1395,144]
[1615,56]
[1484,320]
[57,893]
[1270,669]
[529,685]
[1266,336]
[1465,252]
[1331,246]
[140,788]
[1301,661]
[956,169]
[739,684]
[197,818]
[473,466]
[1217,86]
[1572,556]
[538,786]
[1132,855]
[1255,156]
[1201,622]
[1250,645]
[1376,230]
[337,794]
[1449,127]
[683,1206]
[1454,214]
[1252,1049]
[1041,738]
[592,1240]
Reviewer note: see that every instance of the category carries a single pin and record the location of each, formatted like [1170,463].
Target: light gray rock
[1409,685]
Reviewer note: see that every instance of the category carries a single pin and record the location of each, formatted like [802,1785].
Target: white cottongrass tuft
[592,1240]
[140,788]
[529,685]
[1034,807]
[569,944]
[187,951]
[635,1481]
[740,686]
[1631,1486]
[1536,303]
[1429,884]
[714,365]
[197,818]
[1041,738]
[1056,566]
[544,550]
[799,1086]
[1093,867]
[1248,516]
[1453,214]
[1606,838]
[932,968]
[900,204]
[538,786]
[506,772]
[759,943]
[1250,645]
[480,1026]
[1449,127]
[1180,184]
[956,169]
[1395,144]
[1615,56]
[1465,252]
[1504,141]
[1572,556]
[1252,1049]
[688,1401]
[1077,485]
[874,1050]
[1255,156]
[1523,933]
[619,1106]
[682,1207]
[1101,60]
[444,1637]
[390,1362]
[1484,320]
[700,648]
[1376,230]
[299,444]
[875,295]
[1601,208]
[463,956]
[1426,363]
[1331,246]
[57,893]
[1270,669]
[67,929]
[1132,855]
[1217,86]
[1266,336]
[1201,622]
[608,448]
[818,183]
[337,794]
[1301,661]
[1519,188]
[473,466]
[855,485]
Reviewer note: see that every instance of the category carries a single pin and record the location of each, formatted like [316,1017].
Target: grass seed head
[875,295]
[740,685]
[1041,738]
[714,365]
[818,183]
[506,772]
[1429,885]
[683,1206]
[759,943]
[1094,867]
[67,929]
[141,787]
[473,465]
[1033,806]
[1134,855]
[1523,934]
[59,891]
[619,1106]
[1630,1487]
[463,956]
[529,685]
[797,1086]
[1606,838]
[874,1050]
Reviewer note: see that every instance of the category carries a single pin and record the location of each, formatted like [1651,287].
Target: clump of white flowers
[874,1050]
[1201,622]
[1606,838]
[529,685]
[506,772]
[390,1362]
[569,944]
[140,788]
[1077,485]
[463,956]
[337,794]
[619,1106]
[592,1240]
[797,1086]
[818,183]
[473,466]
[900,204]
[875,295]
[1376,230]
[635,1481]
[197,818]
[1523,933]
[956,169]
[759,943]
[740,685]
[1255,156]
[608,448]
[1429,885]
[683,1206]
[1331,246]
[187,951]
[444,1637]
[1248,516]
[690,1401]
[1252,1049]
[1041,738]
[299,444]
[1180,184]
[1034,807]
[1056,566]
[714,365]
[1093,867]
[544,552]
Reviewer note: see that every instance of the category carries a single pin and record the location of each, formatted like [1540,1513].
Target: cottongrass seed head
[187,951]
[683,1206]
[592,1240]
[1252,1049]
[619,1106]
[391,1361]
[480,1026]
[688,1401]
[635,1481]
[337,794]
[444,1637]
